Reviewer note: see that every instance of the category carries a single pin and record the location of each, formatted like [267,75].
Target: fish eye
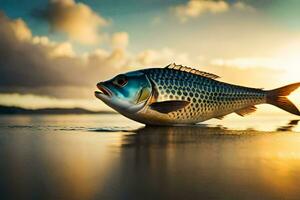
[120,81]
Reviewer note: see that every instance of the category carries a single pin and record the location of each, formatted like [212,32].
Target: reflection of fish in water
[292,124]
[181,95]
[170,135]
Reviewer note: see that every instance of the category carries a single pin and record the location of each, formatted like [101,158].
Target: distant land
[11,110]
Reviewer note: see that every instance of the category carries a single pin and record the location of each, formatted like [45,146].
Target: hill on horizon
[18,110]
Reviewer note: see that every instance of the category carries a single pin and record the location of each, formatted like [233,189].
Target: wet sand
[110,157]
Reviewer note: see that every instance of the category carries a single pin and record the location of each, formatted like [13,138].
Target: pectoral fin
[246,111]
[168,106]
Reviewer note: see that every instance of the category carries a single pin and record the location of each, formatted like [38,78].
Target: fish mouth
[103,91]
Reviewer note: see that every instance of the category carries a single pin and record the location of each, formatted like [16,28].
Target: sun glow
[290,60]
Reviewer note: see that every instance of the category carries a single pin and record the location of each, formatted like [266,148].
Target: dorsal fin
[191,70]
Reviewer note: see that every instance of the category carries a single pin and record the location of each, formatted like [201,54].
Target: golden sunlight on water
[111,157]
[82,157]
[77,165]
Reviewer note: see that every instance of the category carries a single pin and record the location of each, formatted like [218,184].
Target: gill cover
[131,91]
[143,95]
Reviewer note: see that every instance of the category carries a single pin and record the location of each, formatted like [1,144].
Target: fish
[179,95]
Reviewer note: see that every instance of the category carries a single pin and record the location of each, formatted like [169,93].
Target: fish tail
[278,97]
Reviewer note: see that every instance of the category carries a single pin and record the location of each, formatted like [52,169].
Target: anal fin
[220,117]
[246,111]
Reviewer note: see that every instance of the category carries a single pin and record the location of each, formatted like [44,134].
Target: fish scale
[206,96]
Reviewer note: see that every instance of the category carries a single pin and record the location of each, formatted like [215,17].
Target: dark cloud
[28,62]
[77,20]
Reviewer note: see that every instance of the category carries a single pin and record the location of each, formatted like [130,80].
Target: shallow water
[111,157]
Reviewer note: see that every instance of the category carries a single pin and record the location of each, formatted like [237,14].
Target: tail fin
[278,97]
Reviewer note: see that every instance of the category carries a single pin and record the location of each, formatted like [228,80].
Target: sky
[52,53]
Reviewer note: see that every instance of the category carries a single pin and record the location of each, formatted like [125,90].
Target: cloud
[162,57]
[243,6]
[63,49]
[196,8]
[28,62]
[37,65]
[120,40]
[77,20]
[18,27]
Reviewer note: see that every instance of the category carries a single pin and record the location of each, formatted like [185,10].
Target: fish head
[126,92]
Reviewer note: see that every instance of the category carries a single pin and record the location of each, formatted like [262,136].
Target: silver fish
[182,95]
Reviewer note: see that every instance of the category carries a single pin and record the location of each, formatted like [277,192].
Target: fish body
[181,95]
